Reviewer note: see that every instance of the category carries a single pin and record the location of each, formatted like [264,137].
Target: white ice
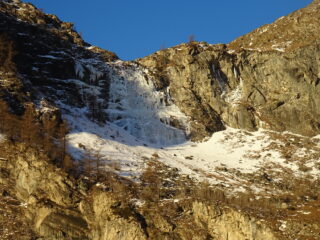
[145,113]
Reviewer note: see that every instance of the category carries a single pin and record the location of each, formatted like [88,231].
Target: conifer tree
[30,129]
[62,141]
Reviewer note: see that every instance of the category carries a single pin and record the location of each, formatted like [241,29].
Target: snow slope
[226,159]
[138,130]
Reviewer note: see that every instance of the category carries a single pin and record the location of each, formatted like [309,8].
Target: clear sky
[136,28]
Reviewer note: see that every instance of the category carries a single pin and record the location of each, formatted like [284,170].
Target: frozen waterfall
[138,108]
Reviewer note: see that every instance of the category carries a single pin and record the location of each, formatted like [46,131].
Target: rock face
[106,224]
[230,224]
[55,206]
[43,57]
[27,178]
[58,207]
[243,89]
[264,83]
[270,81]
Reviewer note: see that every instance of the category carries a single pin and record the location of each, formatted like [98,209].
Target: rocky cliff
[266,79]
[55,206]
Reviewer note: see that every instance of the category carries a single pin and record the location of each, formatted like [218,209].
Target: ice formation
[136,106]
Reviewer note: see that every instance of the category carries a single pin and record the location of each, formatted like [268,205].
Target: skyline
[137,29]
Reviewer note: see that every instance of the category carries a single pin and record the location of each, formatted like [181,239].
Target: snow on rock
[120,151]
[278,49]
[281,47]
[231,51]
[139,126]
[48,56]
[224,159]
[92,66]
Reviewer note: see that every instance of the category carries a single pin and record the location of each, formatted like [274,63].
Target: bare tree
[93,163]
[97,159]
[191,38]
[88,162]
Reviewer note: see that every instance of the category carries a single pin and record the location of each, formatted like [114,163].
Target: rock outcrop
[230,224]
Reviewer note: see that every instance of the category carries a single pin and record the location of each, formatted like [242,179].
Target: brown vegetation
[7,54]
[48,136]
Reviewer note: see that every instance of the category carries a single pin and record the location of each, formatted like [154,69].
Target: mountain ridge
[287,33]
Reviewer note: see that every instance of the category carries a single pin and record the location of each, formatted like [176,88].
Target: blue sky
[136,28]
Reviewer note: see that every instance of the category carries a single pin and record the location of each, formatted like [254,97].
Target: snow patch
[281,47]
[140,120]
[223,159]
[283,225]
[278,49]
[91,47]
[48,56]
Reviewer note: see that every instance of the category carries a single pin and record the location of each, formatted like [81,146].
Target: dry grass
[13,223]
